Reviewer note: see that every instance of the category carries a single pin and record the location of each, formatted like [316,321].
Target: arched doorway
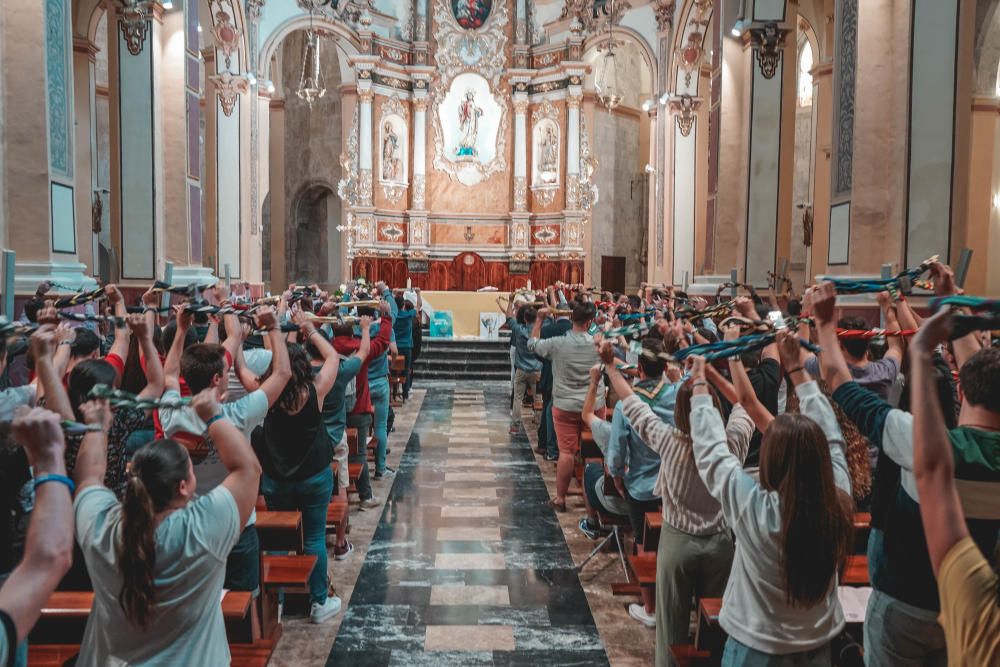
[313,252]
[468,272]
[805,150]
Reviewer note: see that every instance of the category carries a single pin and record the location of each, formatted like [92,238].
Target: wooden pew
[280,531]
[64,618]
[276,573]
[651,533]
[709,636]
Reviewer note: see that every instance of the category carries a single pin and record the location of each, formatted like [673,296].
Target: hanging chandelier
[609,91]
[310,87]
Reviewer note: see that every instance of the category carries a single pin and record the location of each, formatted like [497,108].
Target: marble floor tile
[471,463]
[484,449]
[470,595]
[469,534]
[470,477]
[469,562]
[470,512]
[476,493]
[469,638]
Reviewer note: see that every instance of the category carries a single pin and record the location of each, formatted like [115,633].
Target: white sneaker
[638,612]
[322,612]
[370,503]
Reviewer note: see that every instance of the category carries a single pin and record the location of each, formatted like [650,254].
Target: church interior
[442,154]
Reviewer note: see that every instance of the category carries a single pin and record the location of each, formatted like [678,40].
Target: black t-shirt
[766,379]
[14,473]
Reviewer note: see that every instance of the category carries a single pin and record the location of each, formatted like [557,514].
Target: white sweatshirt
[754,608]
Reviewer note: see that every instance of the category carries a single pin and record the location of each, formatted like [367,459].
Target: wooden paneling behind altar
[466,272]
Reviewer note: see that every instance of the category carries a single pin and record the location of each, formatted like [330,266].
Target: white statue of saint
[390,154]
[468,122]
[549,151]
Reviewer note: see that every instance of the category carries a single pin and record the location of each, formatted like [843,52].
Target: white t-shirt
[246,414]
[192,545]
[13,398]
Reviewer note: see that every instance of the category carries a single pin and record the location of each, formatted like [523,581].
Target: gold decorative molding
[684,108]
[229,87]
[767,41]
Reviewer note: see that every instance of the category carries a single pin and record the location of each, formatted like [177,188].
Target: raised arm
[235,452]
[43,342]
[895,344]
[172,364]
[48,546]
[815,405]
[832,363]
[944,285]
[746,396]
[933,462]
[720,469]
[588,415]
[92,458]
[155,382]
[117,302]
[281,368]
[365,346]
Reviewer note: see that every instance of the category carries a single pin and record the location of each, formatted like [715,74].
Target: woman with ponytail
[157,559]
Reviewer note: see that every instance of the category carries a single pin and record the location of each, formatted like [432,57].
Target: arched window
[805,95]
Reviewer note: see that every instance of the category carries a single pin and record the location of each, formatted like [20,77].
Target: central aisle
[468,565]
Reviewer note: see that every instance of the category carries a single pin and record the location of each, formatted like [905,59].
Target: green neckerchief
[650,396]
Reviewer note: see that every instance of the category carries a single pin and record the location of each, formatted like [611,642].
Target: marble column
[365,97]
[521,151]
[190,268]
[769,141]
[822,75]
[276,174]
[520,229]
[135,61]
[417,227]
[664,12]
[984,189]
[84,61]
[37,174]
[573,150]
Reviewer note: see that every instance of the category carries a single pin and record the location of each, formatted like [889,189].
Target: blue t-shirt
[335,405]
[524,359]
[402,326]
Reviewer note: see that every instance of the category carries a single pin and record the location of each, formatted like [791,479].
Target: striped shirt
[687,504]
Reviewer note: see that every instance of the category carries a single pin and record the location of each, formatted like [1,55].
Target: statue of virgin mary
[468,123]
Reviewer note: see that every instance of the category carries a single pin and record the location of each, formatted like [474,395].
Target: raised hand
[266,318]
[38,431]
[789,349]
[97,412]
[933,331]
[944,279]
[138,326]
[364,322]
[44,341]
[824,302]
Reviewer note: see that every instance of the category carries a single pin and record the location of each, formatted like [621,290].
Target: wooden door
[612,274]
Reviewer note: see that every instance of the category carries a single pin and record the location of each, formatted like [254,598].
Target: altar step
[449,359]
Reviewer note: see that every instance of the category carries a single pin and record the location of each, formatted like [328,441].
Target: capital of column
[366,95]
[520,105]
[573,101]
[767,40]
[254,9]
[420,104]
[684,108]
[228,87]
[664,12]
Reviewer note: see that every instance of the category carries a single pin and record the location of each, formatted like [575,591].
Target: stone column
[769,142]
[520,229]
[573,149]
[664,12]
[190,268]
[943,35]
[823,114]
[135,62]
[276,174]
[39,165]
[417,228]
[84,59]
[364,213]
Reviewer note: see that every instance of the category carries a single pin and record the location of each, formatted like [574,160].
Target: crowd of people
[758,429]
[139,437]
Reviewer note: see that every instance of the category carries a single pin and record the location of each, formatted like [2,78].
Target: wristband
[698,383]
[795,370]
[60,479]
[214,419]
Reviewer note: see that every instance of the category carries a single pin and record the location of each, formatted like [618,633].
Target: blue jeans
[311,497]
[243,563]
[378,388]
[407,353]
[900,634]
[741,655]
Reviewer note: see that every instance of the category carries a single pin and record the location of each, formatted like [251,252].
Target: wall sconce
[996,200]
[664,98]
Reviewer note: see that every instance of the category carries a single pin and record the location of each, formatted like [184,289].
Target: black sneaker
[589,530]
[551,457]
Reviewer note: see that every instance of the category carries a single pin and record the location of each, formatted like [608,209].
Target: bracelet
[698,383]
[214,419]
[60,479]
[313,333]
[795,370]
